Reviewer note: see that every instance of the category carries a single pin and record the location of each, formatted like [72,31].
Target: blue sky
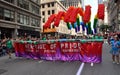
[93,3]
[94,7]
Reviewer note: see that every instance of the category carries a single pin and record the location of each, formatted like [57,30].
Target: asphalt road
[21,66]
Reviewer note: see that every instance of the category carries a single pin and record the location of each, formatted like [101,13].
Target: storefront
[6,32]
[28,31]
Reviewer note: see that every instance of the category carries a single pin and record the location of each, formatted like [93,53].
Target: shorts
[9,50]
[114,52]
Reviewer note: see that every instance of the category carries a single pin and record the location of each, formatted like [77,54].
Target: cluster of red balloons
[72,13]
[69,16]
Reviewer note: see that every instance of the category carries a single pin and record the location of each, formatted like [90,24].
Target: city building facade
[105,21]
[68,3]
[49,7]
[113,14]
[100,1]
[106,13]
[19,18]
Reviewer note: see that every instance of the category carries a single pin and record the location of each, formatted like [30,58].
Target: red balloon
[73,16]
[100,13]
[87,14]
[81,12]
[58,18]
[68,14]
[49,21]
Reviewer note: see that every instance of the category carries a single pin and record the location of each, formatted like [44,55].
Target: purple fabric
[63,57]
[95,58]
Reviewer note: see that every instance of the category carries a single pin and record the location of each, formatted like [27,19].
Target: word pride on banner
[70,47]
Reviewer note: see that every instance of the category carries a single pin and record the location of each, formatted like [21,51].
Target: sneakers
[118,63]
[10,57]
[113,62]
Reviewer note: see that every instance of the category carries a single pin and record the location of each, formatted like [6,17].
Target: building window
[18,18]
[52,4]
[48,12]
[53,26]
[53,11]
[10,1]
[23,19]
[65,4]
[1,13]
[27,20]
[35,9]
[8,15]
[36,1]
[35,22]
[38,23]
[119,17]
[48,4]
[43,6]
[43,20]
[43,12]
[23,4]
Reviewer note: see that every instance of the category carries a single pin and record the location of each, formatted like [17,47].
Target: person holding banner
[44,38]
[9,46]
[98,36]
[115,47]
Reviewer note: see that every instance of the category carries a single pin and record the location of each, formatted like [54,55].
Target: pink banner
[65,51]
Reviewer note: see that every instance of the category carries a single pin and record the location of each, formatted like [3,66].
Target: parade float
[84,50]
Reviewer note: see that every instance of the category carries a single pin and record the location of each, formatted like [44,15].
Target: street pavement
[22,66]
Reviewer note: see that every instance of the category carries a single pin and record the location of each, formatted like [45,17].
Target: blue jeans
[3,52]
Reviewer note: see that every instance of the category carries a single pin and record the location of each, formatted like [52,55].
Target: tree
[104,28]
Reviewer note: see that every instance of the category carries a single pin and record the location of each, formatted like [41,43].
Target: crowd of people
[7,44]
[6,47]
